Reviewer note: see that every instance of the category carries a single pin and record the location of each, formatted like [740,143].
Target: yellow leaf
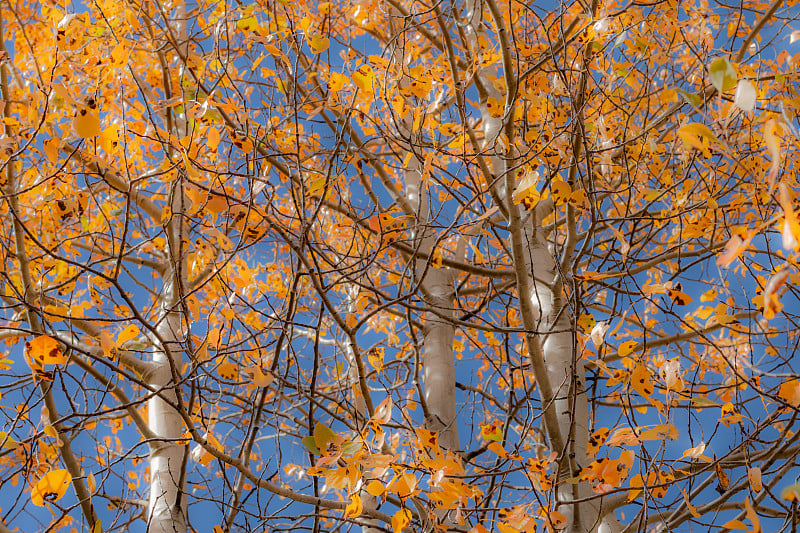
[364,78]
[375,357]
[318,44]
[6,442]
[493,432]
[626,348]
[354,508]
[87,123]
[400,520]
[404,486]
[51,487]
[45,350]
[708,296]
[697,135]
[336,82]
[375,488]
[130,332]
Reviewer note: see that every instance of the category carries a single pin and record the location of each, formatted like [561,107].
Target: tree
[399,265]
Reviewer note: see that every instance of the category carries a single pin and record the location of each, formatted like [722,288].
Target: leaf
[696,452]
[498,449]
[404,485]
[641,381]
[526,192]
[354,508]
[492,432]
[723,482]
[213,138]
[129,333]
[322,435]
[318,44]
[626,348]
[790,391]
[311,445]
[723,75]
[597,439]
[679,297]
[773,145]
[364,78]
[735,524]
[400,520]
[375,488]
[556,520]
[598,333]
[751,514]
[733,249]
[791,493]
[383,413]
[754,477]
[693,99]
[745,98]
[51,487]
[697,135]
[201,455]
[45,350]
[87,123]
[7,442]
[692,508]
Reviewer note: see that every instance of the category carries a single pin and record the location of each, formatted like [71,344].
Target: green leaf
[322,435]
[691,98]
[308,442]
[723,75]
[350,447]
[702,400]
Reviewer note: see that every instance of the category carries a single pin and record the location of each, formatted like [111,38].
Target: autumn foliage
[404,266]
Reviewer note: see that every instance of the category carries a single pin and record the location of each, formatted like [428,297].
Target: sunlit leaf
[87,123]
[51,487]
[45,350]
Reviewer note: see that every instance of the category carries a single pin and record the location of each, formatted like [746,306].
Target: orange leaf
[641,381]
[51,487]
[736,245]
[752,516]
[790,391]
[556,520]
[87,123]
[45,350]
[754,477]
[497,448]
